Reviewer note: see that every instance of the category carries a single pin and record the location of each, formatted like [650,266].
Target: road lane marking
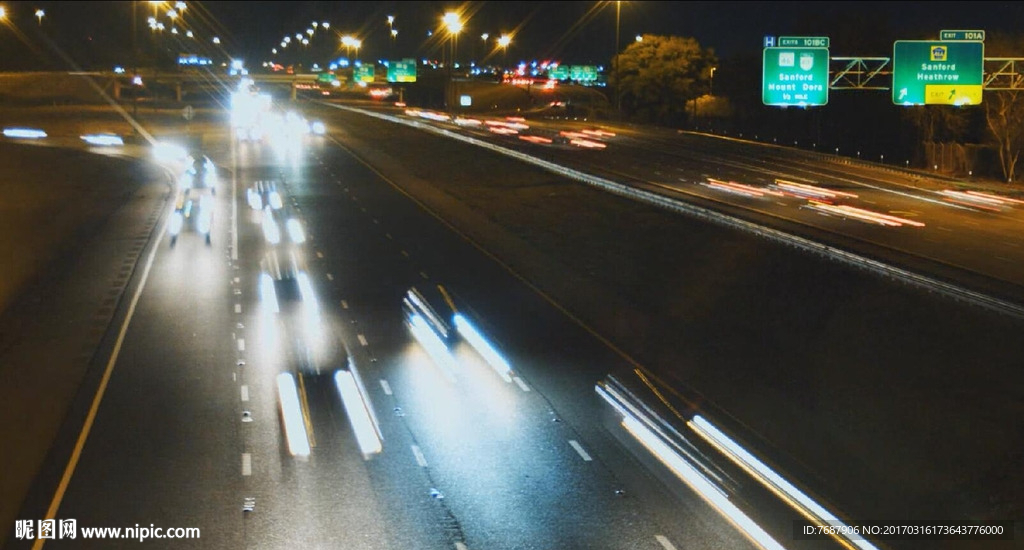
[344,304]
[304,404]
[944,229]
[90,417]
[579,449]
[319,254]
[244,390]
[330,277]
[238,308]
[406,254]
[362,340]
[388,235]
[387,387]
[246,464]
[461,546]
[234,201]
[420,459]
[664,542]
[519,382]
[241,344]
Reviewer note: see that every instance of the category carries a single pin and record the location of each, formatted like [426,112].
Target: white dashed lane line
[579,449]
[385,386]
[362,340]
[420,459]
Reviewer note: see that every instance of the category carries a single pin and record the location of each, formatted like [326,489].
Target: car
[193,210]
[262,194]
[200,172]
[431,305]
[282,226]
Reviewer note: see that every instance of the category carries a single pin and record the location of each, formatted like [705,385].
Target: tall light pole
[454,24]
[504,41]
[711,83]
[39,16]
[615,60]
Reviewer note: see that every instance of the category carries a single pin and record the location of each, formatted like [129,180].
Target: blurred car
[284,283]
[263,194]
[282,226]
[193,211]
[430,304]
[200,172]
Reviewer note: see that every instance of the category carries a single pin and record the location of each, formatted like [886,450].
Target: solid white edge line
[579,449]
[90,418]
[519,382]
[234,200]
[420,459]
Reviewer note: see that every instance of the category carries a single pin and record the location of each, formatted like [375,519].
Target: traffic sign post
[402,71]
[364,73]
[583,73]
[795,75]
[927,72]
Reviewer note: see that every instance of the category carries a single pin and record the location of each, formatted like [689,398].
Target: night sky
[95,34]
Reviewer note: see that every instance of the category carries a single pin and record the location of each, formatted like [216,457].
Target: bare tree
[1004,114]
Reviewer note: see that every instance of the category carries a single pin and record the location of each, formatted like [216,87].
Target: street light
[326,25]
[180,6]
[504,42]
[615,64]
[711,83]
[216,40]
[190,34]
[3,13]
[454,24]
[39,16]
[639,38]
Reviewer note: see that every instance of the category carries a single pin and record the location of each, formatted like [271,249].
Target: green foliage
[655,78]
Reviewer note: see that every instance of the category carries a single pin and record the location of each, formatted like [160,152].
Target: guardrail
[856,260]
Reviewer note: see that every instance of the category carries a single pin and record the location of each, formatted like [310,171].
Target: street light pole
[615,61]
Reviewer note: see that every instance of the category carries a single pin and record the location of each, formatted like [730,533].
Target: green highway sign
[561,72]
[583,73]
[803,41]
[795,76]
[364,73]
[325,78]
[936,72]
[962,35]
[402,71]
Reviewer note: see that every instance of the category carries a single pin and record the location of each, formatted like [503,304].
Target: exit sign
[962,35]
[803,42]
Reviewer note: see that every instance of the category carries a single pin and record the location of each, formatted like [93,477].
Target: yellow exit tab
[952,94]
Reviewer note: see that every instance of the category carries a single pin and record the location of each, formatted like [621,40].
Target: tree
[657,76]
[1004,113]
[1004,109]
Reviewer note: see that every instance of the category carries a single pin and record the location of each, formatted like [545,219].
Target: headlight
[295,232]
[270,229]
[174,227]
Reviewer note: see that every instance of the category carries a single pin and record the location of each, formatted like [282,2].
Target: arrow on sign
[903,93]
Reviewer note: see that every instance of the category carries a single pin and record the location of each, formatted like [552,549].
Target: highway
[929,224]
[196,427]
[191,426]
